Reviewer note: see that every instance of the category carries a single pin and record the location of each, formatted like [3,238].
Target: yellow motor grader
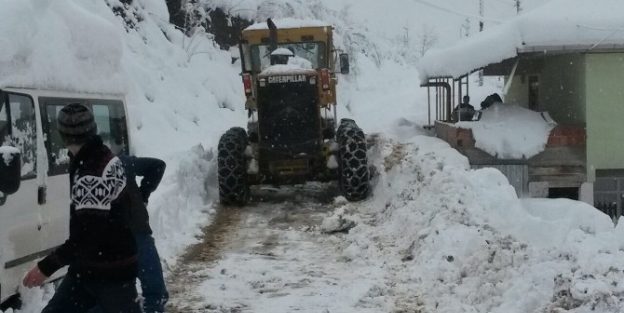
[289,72]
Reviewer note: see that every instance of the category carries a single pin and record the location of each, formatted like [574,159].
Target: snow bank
[339,221]
[61,44]
[459,240]
[182,93]
[509,131]
[183,203]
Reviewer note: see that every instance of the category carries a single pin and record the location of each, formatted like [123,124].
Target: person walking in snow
[150,270]
[101,251]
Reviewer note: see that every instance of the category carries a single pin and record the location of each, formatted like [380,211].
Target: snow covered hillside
[445,238]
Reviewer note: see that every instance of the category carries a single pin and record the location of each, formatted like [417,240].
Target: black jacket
[152,171]
[101,246]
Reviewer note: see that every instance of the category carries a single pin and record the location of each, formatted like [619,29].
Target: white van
[34,210]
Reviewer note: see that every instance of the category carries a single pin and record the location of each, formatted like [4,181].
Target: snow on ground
[459,240]
[435,237]
[435,234]
[274,260]
[509,131]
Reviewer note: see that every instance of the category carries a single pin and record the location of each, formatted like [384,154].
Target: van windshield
[110,118]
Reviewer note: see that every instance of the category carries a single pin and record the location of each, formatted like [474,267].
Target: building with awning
[563,61]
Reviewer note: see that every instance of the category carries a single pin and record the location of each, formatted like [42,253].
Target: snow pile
[34,300]
[509,131]
[339,221]
[184,199]
[457,240]
[60,44]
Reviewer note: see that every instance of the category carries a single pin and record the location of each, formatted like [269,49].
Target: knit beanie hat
[76,124]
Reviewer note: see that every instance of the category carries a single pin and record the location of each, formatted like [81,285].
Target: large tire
[240,132]
[233,187]
[354,171]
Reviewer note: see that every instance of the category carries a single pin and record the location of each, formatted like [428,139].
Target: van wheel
[233,187]
[354,171]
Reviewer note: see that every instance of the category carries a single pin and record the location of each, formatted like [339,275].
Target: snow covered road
[434,237]
[271,256]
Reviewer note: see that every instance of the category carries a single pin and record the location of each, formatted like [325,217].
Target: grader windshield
[314,52]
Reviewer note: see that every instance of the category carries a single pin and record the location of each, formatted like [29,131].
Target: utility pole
[481,15]
[518,8]
[481,29]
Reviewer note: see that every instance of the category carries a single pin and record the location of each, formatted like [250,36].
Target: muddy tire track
[271,209]
[184,278]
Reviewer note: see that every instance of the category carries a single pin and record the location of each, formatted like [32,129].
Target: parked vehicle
[34,211]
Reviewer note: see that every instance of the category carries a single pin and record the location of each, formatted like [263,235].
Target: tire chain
[354,171]
[233,188]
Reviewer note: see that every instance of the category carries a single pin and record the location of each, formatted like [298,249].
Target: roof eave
[503,68]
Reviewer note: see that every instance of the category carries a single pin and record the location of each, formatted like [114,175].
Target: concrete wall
[605,112]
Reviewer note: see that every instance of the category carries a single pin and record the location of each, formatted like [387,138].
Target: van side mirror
[10,170]
[344,63]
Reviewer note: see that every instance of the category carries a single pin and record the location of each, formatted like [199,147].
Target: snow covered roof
[556,25]
[289,23]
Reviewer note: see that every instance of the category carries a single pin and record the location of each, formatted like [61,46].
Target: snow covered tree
[428,39]
[126,10]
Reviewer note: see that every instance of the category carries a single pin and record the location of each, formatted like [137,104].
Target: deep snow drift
[457,240]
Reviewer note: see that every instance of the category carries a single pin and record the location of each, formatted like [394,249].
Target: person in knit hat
[101,251]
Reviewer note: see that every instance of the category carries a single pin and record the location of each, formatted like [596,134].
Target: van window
[18,129]
[109,116]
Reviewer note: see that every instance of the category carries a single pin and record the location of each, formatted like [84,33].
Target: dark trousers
[151,276]
[75,296]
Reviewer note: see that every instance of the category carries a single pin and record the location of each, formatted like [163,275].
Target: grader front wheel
[354,171]
[231,164]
